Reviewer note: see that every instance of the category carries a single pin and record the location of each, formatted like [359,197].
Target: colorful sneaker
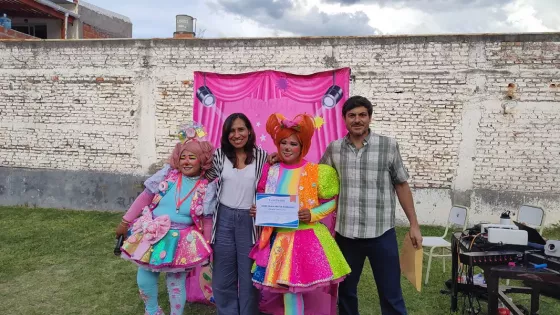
[159,312]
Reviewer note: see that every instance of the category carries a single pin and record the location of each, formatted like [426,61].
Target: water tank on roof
[185,24]
[5,22]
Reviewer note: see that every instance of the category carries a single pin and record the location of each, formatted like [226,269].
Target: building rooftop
[105,11]
[96,9]
[34,8]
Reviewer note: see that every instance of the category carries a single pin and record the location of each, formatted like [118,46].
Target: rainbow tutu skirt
[298,260]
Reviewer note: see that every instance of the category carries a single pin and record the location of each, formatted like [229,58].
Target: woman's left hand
[253,211]
[304,215]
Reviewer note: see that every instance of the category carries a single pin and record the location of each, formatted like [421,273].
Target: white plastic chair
[458,216]
[532,216]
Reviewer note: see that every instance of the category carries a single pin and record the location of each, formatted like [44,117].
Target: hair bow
[286,123]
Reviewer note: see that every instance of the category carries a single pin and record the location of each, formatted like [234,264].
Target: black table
[535,277]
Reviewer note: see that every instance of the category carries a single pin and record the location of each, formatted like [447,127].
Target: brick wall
[91,32]
[11,34]
[477,117]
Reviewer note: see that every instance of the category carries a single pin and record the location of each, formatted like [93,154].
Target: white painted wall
[115,105]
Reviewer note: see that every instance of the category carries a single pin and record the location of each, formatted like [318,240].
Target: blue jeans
[383,255]
[232,283]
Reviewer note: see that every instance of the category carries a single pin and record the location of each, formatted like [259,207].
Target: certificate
[277,210]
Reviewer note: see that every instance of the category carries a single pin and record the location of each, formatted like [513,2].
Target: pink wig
[203,150]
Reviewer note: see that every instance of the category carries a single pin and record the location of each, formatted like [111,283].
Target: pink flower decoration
[173,175]
[191,132]
[153,229]
[288,123]
[143,296]
[162,254]
[198,210]
[163,186]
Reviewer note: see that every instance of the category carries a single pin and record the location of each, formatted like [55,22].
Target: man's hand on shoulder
[272,158]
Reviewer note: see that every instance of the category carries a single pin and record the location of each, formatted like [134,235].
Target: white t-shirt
[238,186]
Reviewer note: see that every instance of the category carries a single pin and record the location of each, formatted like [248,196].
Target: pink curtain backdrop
[260,94]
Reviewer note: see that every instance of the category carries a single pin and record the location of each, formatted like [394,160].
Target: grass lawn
[62,262]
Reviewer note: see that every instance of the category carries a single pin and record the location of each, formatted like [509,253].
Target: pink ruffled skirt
[182,248]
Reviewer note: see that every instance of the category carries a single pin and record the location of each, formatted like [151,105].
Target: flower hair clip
[286,123]
[191,131]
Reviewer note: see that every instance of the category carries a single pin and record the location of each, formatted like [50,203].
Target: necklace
[178,200]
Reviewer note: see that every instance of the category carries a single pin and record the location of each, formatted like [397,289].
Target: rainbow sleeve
[318,213]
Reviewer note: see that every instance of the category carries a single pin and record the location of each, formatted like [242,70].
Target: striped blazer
[216,172]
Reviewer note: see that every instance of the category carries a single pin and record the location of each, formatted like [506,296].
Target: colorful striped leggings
[293,304]
[148,285]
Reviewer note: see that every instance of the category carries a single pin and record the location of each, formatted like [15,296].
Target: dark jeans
[232,283]
[383,255]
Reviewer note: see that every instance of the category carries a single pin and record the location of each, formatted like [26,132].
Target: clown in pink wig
[165,224]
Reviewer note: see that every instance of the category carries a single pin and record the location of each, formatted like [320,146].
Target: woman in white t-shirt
[238,167]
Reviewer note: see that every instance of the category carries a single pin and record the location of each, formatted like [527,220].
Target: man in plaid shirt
[372,175]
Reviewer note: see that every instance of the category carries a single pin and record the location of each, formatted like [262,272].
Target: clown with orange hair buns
[292,261]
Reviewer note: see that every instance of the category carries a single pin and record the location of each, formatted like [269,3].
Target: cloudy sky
[260,18]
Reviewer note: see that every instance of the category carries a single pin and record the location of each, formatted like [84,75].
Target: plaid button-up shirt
[367,200]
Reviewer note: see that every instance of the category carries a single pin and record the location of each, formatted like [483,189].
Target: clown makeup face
[189,164]
[239,134]
[290,149]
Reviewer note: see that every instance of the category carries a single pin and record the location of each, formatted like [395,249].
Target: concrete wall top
[298,41]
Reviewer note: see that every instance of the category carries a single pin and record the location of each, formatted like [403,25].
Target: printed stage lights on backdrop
[259,94]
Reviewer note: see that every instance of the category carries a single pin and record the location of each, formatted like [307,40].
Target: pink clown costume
[159,244]
[168,234]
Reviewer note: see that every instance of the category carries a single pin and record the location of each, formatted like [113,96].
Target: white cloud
[535,16]
[262,18]
[300,18]
[157,18]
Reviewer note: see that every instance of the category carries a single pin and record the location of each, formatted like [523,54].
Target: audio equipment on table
[485,226]
[490,258]
[507,236]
